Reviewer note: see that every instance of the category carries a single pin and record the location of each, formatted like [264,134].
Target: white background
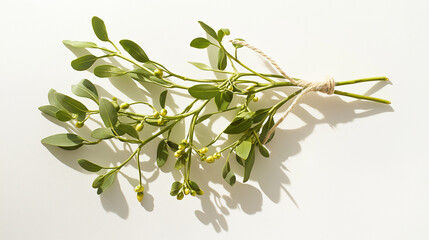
[339,168]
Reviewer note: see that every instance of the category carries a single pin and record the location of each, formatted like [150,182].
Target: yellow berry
[180,196]
[193,193]
[200,192]
[203,158]
[216,155]
[210,159]
[139,188]
[178,153]
[161,121]
[255,98]
[139,127]
[187,191]
[124,105]
[182,146]
[158,73]
[140,196]
[156,114]
[114,99]
[79,124]
[163,112]
[184,141]
[204,150]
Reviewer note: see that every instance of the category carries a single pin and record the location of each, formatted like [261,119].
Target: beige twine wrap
[328,86]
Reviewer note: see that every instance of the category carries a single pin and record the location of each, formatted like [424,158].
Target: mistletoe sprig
[120,123]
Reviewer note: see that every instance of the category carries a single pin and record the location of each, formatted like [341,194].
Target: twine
[327,86]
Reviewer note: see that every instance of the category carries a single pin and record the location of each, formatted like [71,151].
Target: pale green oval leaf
[84,62]
[243,149]
[201,66]
[105,71]
[63,140]
[108,113]
[89,166]
[208,29]
[264,151]
[248,164]
[98,181]
[130,130]
[200,43]
[102,133]
[221,59]
[70,104]
[85,89]
[203,91]
[109,179]
[134,50]
[56,113]
[99,29]
[175,188]
[79,44]
[163,98]
[161,153]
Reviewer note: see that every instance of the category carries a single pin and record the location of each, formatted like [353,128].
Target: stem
[353,95]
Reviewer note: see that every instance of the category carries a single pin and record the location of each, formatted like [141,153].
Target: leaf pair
[103,182]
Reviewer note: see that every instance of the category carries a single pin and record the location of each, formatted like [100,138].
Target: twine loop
[327,86]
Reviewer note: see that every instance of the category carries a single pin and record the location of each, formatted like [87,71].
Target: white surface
[336,171]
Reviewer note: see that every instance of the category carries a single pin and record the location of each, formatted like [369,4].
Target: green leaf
[162,98]
[208,29]
[248,164]
[243,149]
[89,166]
[161,153]
[85,89]
[53,100]
[180,162]
[241,122]
[109,179]
[263,150]
[102,133]
[98,181]
[56,113]
[79,44]
[266,128]
[260,114]
[221,33]
[70,104]
[100,29]
[223,100]
[108,113]
[228,175]
[175,188]
[201,66]
[84,62]
[238,45]
[173,145]
[194,186]
[105,71]
[200,43]
[128,129]
[203,91]
[221,59]
[63,140]
[239,160]
[134,50]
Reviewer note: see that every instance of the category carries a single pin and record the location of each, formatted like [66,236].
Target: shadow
[272,179]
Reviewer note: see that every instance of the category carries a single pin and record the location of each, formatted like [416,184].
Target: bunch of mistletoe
[120,123]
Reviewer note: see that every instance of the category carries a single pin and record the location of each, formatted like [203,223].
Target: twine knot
[327,86]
